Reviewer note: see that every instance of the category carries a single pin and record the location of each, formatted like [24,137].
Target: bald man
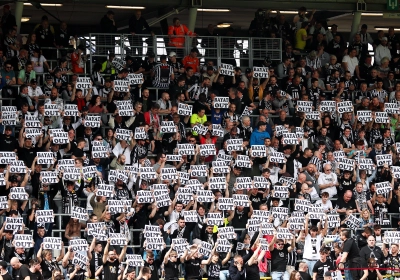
[346,205]
[20,269]
[327,181]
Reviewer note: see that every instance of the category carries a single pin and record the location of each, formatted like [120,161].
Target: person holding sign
[171,263]
[47,264]
[79,99]
[111,261]
[279,256]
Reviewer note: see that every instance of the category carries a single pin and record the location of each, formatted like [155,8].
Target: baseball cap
[171,54]
[49,77]
[248,70]
[85,108]
[33,81]
[267,59]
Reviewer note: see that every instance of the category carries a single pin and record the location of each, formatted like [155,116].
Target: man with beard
[312,176]
[55,99]
[111,261]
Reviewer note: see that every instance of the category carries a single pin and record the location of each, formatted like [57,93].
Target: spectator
[177,33]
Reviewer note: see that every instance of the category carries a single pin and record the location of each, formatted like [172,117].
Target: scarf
[28,99]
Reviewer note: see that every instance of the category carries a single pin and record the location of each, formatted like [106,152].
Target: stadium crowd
[287,170]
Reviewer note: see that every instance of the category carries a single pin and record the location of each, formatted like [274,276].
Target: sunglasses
[280,244]
[173,256]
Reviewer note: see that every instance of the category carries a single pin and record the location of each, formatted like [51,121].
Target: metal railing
[238,51]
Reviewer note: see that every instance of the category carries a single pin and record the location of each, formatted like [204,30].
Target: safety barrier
[238,51]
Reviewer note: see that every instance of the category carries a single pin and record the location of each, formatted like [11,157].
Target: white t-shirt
[34,92]
[311,247]
[326,206]
[326,179]
[351,63]
[127,152]
[38,63]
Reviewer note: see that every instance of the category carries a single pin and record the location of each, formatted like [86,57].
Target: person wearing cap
[259,134]
[382,51]
[191,60]
[176,34]
[176,65]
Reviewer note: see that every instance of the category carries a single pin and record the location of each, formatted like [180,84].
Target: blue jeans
[224,275]
[347,275]
[310,265]
[277,275]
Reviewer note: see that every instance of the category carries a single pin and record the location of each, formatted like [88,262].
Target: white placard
[83,83]
[226,70]
[14,224]
[23,241]
[92,121]
[118,63]
[51,110]
[135,79]
[185,109]
[186,149]
[79,213]
[364,116]
[221,102]
[344,107]
[121,85]
[18,193]
[7,157]
[382,159]
[125,108]
[44,216]
[52,243]
[260,72]
[168,127]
